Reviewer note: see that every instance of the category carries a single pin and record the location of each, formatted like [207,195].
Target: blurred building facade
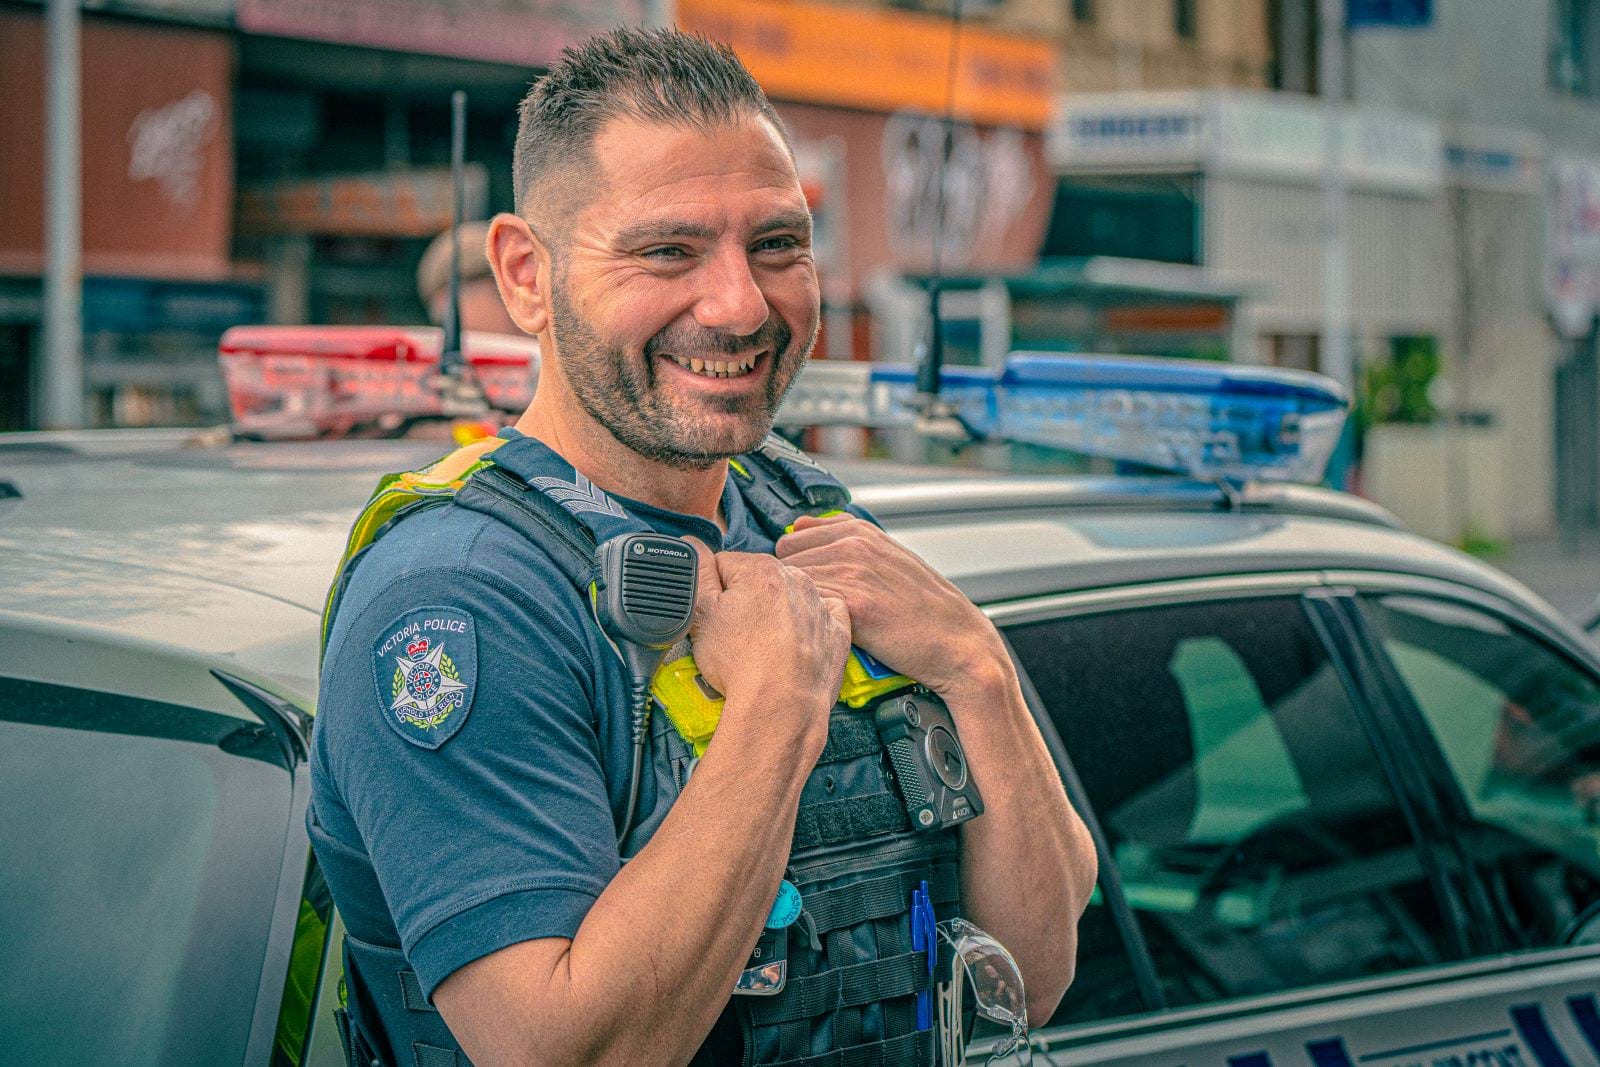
[1516,90]
[157,212]
[1471,220]
[279,161]
[285,161]
[1124,175]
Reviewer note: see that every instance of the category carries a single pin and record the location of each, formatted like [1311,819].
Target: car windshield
[141,861]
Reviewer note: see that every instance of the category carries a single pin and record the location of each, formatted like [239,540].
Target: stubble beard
[621,393]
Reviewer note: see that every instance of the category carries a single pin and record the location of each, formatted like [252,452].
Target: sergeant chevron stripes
[579,496]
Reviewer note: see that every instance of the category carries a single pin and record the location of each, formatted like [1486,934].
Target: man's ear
[522,269]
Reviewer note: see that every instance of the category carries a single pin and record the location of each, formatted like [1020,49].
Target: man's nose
[731,301]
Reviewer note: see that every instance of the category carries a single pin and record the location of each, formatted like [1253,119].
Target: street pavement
[1564,570]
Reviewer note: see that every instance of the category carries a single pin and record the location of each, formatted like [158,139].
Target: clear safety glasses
[989,975]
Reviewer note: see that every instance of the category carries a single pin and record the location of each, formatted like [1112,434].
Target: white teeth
[713,368]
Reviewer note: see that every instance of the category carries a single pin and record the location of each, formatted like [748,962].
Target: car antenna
[458,387]
[936,417]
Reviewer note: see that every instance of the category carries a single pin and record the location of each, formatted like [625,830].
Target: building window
[1135,217]
[1575,47]
[1183,18]
[1292,30]
[1298,351]
[1083,12]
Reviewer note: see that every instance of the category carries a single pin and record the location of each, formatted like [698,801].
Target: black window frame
[1408,720]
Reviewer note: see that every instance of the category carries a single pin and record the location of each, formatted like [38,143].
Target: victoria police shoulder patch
[425,665]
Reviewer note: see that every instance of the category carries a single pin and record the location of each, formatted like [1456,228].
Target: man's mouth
[718,368]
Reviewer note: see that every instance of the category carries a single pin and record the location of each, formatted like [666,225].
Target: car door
[1269,861]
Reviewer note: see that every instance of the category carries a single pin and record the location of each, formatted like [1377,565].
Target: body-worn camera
[927,758]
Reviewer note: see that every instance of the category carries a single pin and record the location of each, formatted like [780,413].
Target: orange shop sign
[881,60]
[402,203]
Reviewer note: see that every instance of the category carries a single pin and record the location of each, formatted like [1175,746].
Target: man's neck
[618,469]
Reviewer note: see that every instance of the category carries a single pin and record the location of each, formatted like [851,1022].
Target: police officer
[471,753]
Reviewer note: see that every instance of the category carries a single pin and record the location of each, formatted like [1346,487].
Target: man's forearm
[656,958]
[1027,865]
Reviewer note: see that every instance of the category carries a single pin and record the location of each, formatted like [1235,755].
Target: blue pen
[924,938]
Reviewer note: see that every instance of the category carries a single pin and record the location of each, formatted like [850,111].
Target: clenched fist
[770,642]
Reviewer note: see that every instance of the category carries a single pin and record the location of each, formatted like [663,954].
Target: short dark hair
[653,75]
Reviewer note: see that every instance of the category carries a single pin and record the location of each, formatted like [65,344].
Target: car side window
[1258,841]
[1519,725]
[140,865]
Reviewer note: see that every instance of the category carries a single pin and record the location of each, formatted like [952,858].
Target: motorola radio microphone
[644,599]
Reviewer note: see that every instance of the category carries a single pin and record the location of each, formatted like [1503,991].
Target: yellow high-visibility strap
[444,477]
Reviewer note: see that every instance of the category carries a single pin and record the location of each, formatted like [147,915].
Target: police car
[1344,782]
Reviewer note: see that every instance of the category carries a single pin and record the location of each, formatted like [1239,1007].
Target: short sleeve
[458,732]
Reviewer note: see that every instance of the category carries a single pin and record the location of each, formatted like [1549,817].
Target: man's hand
[767,638]
[1027,866]
[632,986]
[901,610]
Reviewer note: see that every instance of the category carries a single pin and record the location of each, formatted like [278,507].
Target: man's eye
[777,244]
[665,252]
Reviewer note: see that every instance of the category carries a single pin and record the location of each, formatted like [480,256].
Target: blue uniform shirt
[471,754]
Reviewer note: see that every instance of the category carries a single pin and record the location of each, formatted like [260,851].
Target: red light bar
[316,381]
[403,344]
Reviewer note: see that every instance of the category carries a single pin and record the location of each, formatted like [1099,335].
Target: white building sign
[1251,134]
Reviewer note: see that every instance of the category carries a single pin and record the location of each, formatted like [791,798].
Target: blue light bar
[1206,420]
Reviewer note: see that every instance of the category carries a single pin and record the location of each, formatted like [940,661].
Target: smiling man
[471,763]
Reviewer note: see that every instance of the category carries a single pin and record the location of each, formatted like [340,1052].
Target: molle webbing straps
[913,1048]
[850,987]
[879,898]
[780,483]
[819,824]
[424,1054]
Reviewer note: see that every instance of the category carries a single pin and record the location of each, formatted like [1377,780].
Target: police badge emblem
[426,666]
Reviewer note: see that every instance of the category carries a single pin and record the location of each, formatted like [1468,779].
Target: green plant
[1396,389]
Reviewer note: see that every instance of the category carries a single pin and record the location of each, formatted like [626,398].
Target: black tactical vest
[851,977]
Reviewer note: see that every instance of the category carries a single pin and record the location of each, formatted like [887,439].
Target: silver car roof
[222,552]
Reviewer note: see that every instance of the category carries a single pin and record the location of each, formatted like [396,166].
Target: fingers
[736,567]
[708,582]
[819,557]
[829,531]
[805,522]
[708,573]
[830,580]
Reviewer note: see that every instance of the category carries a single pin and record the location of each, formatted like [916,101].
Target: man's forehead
[728,170]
